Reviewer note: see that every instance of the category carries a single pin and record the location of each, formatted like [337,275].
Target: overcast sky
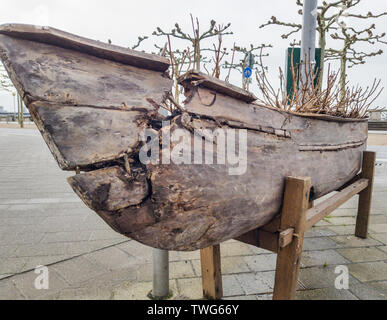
[123,21]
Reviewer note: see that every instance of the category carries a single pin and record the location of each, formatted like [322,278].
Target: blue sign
[248,72]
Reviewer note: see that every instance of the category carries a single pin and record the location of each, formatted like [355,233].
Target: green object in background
[296,63]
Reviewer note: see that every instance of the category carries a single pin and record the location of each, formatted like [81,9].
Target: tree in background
[247,60]
[331,18]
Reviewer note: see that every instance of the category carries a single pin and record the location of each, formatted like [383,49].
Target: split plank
[99,49]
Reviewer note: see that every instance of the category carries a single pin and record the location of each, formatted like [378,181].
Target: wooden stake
[211,272]
[365,196]
[296,202]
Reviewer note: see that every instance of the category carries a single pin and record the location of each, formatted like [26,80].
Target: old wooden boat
[91,101]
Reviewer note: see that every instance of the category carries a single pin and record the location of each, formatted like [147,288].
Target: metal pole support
[160,274]
[308,41]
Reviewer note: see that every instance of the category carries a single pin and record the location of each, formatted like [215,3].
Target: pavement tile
[325,294]
[68,236]
[321,277]
[262,262]
[231,286]
[138,250]
[138,290]
[229,265]
[371,291]
[381,237]
[342,230]
[257,282]
[353,241]
[384,248]
[111,258]
[191,288]
[378,228]
[235,249]
[320,243]
[78,270]
[342,221]
[106,235]
[12,265]
[363,254]
[26,284]
[87,293]
[370,271]
[322,258]
[8,291]
[319,232]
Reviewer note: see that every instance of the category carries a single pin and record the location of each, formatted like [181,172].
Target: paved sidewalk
[42,222]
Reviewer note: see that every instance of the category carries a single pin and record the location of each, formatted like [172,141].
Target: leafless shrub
[307,98]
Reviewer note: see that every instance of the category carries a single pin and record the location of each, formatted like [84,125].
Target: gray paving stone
[111,258]
[381,237]
[321,277]
[322,258]
[353,241]
[342,221]
[262,262]
[325,294]
[363,254]
[378,228]
[230,265]
[26,284]
[231,286]
[342,230]
[320,243]
[319,232]
[12,265]
[78,270]
[138,250]
[256,283]
[370,271]
[229,249]
[87,293]
[190,288]
[69,236]
[371,291]
[8,291]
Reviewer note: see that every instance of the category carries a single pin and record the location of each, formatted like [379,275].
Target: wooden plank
[81,136]
[217,85]
[285,237]
[211,272]
[323,209]
[99,49]
[110,189]
[296,201]
[365,197]
[72,78]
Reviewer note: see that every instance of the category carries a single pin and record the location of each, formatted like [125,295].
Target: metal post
[160,274]
[308,41]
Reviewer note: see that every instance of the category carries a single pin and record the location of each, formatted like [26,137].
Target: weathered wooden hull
[91,111]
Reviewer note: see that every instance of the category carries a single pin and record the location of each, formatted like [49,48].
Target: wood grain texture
[296,200]
[91,110]
[43,72]
[211,272]
[365,197]
[99,49]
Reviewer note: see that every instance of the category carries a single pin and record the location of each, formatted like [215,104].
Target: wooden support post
[296,202]
[211,272]
[365,196]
